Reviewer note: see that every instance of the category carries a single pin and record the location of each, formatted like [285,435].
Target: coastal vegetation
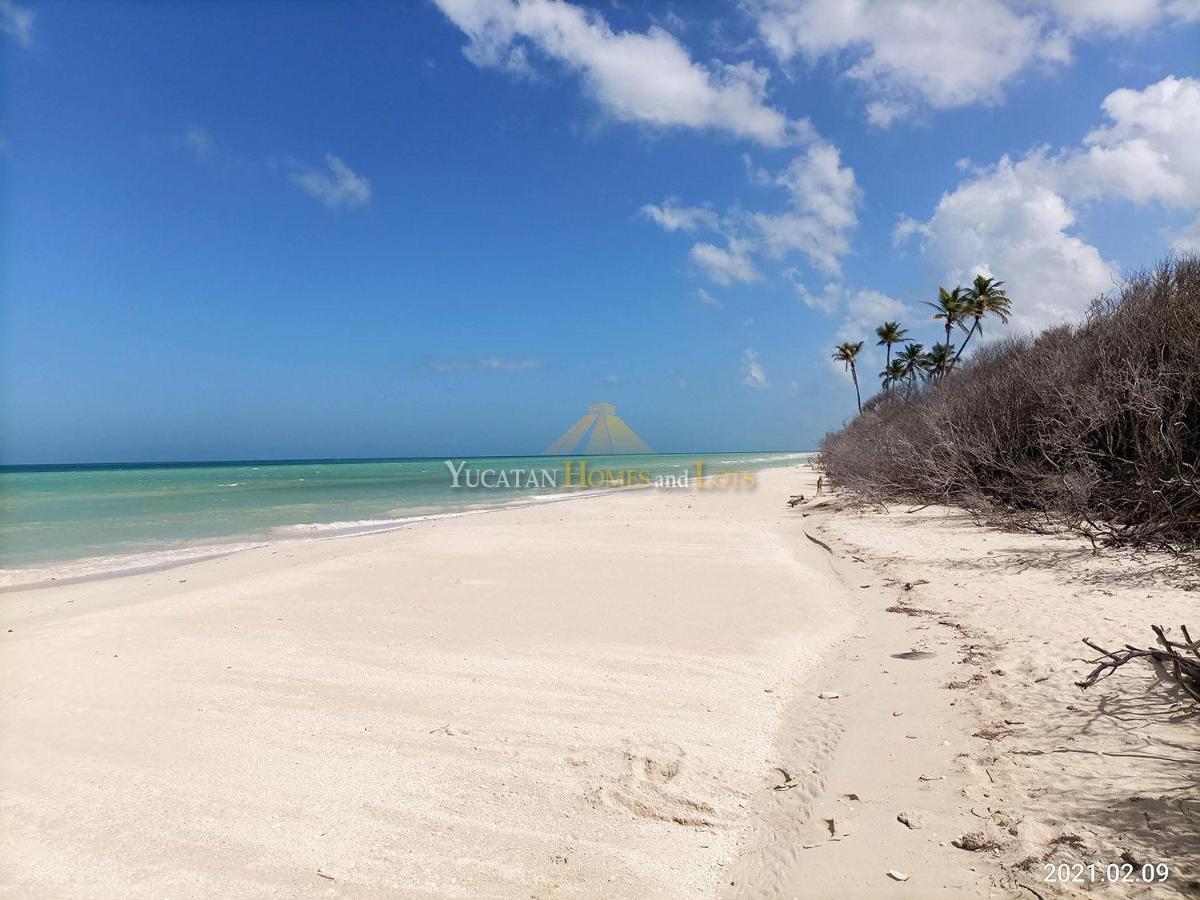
[1093,426]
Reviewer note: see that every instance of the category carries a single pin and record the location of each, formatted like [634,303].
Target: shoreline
[563,697]
[171,553]
[619,698]
[120,565]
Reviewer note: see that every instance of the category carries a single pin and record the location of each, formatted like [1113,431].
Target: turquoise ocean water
[73,521]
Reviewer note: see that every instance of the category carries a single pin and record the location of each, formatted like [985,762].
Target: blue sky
[252,230]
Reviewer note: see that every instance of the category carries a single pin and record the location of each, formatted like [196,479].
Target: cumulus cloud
[1010,220]
[1150,151]
[336,186]
[824,198]
[634,77]
[1016,218]
[753,373]
[944,53]
[17,22]
[915,54]
[726,265]
[680,218]
[882,113]
[831,297]
[906,226]
[1119,16]
[818,221]
[870,308]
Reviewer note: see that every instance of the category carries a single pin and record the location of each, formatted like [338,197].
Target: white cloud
[1184,10]
[870,308]
[1119,16]
[940,54]
[486,363]
[707,299]
[725,266]
[17,22]
[882,113]
[753,374]
[1151,151]
[612,378]
[681,218]
[906,226]
[824,197]
[337,187]
[832,296]
[634,77]
[944,52]
[1015,219]
[820,218]
[1009,221]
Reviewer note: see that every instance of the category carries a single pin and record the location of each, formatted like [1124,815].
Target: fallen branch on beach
[1170,658]
[818,543]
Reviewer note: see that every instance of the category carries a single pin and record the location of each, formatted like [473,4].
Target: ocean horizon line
[334,460]
[127,512]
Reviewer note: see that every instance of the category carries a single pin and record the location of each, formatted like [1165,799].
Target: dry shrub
[1094,427]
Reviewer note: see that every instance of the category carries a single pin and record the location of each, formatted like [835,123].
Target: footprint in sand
[650,782]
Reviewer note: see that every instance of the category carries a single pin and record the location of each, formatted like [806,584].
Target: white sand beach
[615,696]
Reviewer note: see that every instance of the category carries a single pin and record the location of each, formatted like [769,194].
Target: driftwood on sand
[1178,661]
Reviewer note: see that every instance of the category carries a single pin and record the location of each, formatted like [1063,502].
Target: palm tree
[985,297]
[950,307]
[889,333]
[940,359]
[913,358]
[892,374]
[848,353]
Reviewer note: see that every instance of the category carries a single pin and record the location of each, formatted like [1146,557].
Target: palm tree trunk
[942,368]
[857,395]
[974,325]
[888,366]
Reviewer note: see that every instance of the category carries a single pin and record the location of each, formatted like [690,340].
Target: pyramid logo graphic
[600,431]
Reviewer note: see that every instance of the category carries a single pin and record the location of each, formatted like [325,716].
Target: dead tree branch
[1178,660]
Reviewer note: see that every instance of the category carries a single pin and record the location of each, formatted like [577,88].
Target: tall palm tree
[913,358]
[892,374]
[949,307]
[889,333]
[985,297]
[848,353]
[940,359]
